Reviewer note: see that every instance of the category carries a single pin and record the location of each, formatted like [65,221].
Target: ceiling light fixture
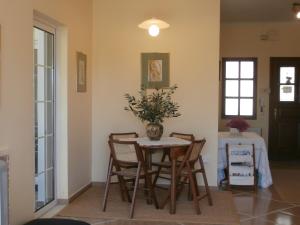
[153,26]
[296,9]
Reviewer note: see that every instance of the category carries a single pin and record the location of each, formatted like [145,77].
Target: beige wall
[243,40]
[16,96]
[193,43]
[16,104]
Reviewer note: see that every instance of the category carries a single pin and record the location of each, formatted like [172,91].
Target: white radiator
[3,190]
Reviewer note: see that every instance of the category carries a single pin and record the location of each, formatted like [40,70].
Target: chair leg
[193,185]
[159,168]
[157,175]
[124,187]
[107,186]
[210,202]
[134,190]
[189,195]
[108,175]
[196,184]
[181,183]
[151,189]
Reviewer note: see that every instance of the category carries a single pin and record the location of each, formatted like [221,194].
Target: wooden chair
[124,172]
[163,164]
[130,163]
[241,165]
[186,171]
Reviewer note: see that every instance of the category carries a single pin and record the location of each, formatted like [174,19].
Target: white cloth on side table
[261,155]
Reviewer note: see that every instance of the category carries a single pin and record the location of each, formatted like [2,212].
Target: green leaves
[153,107]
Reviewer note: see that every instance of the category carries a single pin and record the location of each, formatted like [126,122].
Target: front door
[284,117]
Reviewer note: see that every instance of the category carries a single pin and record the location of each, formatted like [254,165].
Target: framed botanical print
[81,72]
[155,70]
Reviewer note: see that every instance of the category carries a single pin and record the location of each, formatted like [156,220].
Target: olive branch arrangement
[154,107]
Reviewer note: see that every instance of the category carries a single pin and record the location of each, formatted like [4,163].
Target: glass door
[44,86]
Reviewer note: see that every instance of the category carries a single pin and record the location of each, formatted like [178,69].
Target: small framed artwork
[155,70]
[81,72]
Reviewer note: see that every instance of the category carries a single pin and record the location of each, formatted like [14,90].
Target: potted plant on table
[237,125]
[153,108]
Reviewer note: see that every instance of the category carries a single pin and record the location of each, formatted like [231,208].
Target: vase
[234,132]
[154,131]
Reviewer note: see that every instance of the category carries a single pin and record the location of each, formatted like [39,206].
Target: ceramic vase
[154,131]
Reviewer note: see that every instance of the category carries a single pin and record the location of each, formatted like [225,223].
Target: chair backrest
[192,154]
[117,136]
[241,164]
[125,153]
[188,137]
[197,147]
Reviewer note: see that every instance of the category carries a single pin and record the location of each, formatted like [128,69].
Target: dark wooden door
[284,117]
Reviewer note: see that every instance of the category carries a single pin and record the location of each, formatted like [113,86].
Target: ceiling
[257,10]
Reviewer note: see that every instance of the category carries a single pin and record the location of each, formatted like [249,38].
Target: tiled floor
[278,205]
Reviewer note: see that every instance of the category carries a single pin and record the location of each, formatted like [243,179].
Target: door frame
[47,27]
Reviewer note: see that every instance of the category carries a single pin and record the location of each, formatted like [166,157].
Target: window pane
[287,75]
[247,69]
[40,84]
[232,69]
[246,88]
[40,119]
[49,186]
[231,107]
[246,107]
[49,49]
[232,88]
[49,84]
[50,153]
[40,149]
[287,93]
[50,117]
[39,45]
[40,193]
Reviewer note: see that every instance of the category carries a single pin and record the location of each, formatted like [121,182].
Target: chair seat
[184,171]
[128,164]
[166,164]
[162,164]
[131,172]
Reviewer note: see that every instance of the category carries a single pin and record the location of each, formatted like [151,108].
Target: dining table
[164,144]
[261,154]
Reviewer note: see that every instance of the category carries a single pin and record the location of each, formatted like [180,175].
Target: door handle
[275,113]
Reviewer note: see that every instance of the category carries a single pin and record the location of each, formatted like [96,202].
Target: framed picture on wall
[81,72]
[155,70]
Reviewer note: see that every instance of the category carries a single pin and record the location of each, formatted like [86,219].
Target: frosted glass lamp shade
[153,26]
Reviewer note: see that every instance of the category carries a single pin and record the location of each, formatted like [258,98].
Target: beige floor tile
[269,193]
[257,222]
[244,216]
[287,185]
[294,211]
[88,220]
[138,222]
[252,205]
[280,218]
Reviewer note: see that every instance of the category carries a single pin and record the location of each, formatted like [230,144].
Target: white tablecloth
[261,155]
[164,141]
